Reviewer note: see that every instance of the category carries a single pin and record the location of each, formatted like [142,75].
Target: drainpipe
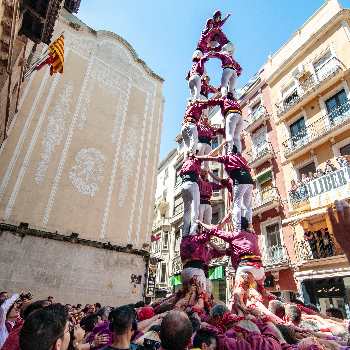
[9,63]
[21,76]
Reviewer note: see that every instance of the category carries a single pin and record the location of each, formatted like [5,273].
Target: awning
[262,172]
[175,280]
[305,215]
[216,273]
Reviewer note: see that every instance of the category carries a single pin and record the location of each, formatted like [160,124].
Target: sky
[165,34]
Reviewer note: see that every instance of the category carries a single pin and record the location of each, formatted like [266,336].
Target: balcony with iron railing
[322,190]
[313,135]
[305,254]
[260,154]
[161,203]
[162,223]
[275,256]
[264,200]
[306,90]
[256,118]
[177,265]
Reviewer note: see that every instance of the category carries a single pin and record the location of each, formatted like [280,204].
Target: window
[337,107]
[178,204]
[256,111]
[177,175]
[177,242]
[289,95]
[216,172]
[261,145]
[344,151]
[165,241]
[164,195]
[273,235]
[163,273]
[214,143]
[298,133]
[325,66]
[166,173]
[307,169]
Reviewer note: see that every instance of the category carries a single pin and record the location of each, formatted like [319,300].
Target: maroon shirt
[226,104]
[228,61]
[206,90]
[193,247]
[241,243]
[228,183]
[198,67]
[267,340]
[206,187]
[232,162]
[205,38]
[195,111]
[191,165]
[206,131]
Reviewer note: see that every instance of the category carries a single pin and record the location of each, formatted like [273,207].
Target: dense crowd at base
[171,324]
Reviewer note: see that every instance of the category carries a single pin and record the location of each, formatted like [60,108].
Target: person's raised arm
[213,159]
[215,151]
[219,250]
[215,177]
[341,227]
[224,20]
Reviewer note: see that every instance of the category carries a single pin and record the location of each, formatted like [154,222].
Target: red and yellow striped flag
[56,56]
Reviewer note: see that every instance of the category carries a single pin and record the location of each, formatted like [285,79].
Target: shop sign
[327,188]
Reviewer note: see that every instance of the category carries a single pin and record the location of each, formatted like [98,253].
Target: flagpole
[40,60]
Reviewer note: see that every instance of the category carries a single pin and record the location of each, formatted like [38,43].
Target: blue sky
[165,33]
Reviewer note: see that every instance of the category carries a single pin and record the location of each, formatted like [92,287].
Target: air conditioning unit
[299,71]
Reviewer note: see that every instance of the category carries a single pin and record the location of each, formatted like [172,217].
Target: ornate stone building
[82,151]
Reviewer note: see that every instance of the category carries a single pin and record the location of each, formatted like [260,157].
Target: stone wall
[71,270]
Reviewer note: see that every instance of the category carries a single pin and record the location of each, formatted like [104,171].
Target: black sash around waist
[206,270]
[197,264]
[204,93]
[204,139]
[190,176]
[205,199]
[241,176]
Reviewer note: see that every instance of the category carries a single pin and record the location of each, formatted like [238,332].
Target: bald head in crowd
[294,314]
[175,331]
[277,308]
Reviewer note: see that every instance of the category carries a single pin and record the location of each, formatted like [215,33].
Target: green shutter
[216,273]
[265,177]
[175,280]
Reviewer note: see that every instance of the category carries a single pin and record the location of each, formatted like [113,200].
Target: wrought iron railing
[323,125]
[308,84]
[256,114]
[258,151]
[264,196]
[177,265]
[161,222]
[275,255]
[304,252]
[320,185]
[299,195]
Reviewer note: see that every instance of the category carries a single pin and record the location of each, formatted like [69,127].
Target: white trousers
[191,197]
[233,127]
[189,134]
[205,213]
[190,272]
[203,150]
[206,110]
[229,47]
[208,287]
[194,83]
[242,193]
[228,78]
[258,273]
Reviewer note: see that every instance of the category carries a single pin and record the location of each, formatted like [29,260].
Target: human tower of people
[191,318]
[196,248]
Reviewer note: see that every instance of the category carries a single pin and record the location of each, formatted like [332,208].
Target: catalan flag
[53,56]
[57,55]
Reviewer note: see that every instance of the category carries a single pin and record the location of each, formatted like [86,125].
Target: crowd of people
[298,185]
[191,318]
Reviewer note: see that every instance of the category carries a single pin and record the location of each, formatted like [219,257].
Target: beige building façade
[82,152]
